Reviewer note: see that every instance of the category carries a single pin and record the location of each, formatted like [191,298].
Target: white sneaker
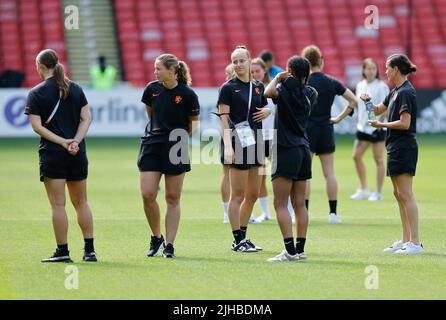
[262,218]
[375,196]
[284,256]
[253,220]
[411,248]
[397,245]
[333,218]
[243,246]
[303,256]
[361,194]
[225,218]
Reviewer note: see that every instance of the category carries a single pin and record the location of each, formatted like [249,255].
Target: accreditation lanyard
[243,129]
[53,113]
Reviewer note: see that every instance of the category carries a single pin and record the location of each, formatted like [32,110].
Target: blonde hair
[229,70]
[248,55]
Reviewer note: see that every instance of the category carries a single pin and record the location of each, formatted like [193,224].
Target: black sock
[333,204]
[244,229]
[63,247]
[300,245]
[307,203]
[238,236]
[289,246]
[89,247]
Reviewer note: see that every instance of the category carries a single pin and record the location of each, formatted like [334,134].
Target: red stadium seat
[284,26]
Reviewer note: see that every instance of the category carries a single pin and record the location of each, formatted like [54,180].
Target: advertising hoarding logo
[14,109]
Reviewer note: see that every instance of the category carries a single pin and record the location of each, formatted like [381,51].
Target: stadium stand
[203,32]
[26,27]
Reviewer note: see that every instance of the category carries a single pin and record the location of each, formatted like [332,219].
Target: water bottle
[370,113]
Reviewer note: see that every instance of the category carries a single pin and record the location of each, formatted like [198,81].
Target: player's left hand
[73,148]
[263,113]
[375,124]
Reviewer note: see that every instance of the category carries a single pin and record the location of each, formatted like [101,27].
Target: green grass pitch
[205,267]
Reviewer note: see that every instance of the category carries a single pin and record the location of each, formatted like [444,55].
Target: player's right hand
[365,97]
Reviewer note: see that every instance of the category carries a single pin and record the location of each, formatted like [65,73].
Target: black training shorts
[376,136]
[158,157]
[62,165]
[402,161]
[293,163]
[322,139]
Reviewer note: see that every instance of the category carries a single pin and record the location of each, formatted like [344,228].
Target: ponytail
[181,69]
[299,67]
[183,73]
[61,80]
[50,60]
[405,66]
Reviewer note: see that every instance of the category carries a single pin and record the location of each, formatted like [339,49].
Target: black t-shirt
[171,109]
[293,109]
[235,94]
[399,100]
[327,88]
[42,100]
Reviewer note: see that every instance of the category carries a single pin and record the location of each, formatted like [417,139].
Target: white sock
[225,209]
[290,208]
[264,205]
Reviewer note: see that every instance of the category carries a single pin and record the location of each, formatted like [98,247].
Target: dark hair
[181,69]
[405,66]
[266,55]
[364,65]
[299,67]
[313,54]
[50,60]
[262,64]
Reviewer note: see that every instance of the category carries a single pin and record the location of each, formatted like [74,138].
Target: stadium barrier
[120,112]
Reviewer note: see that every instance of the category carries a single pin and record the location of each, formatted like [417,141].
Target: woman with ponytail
[292,157]
[172,107]
[58,112]
[402,147]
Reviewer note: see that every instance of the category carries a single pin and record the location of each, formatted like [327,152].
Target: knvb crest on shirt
[178,99]
[257,90]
